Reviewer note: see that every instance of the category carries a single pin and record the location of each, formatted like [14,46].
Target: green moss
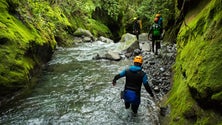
[98,29]
[180,98]
[217,96]
[204,61]
[17,37]
[198,66]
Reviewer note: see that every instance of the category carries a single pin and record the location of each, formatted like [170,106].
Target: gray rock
[145,46]
[82,32]
[105,40]
[112,55]
[87,39]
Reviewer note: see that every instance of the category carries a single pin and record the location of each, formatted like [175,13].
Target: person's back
[134,79]
[160,21]
[155,30]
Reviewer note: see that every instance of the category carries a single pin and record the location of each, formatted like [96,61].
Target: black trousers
[157,42]
[137,33]
[133,107]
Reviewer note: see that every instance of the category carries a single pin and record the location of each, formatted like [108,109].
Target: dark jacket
[155,26]
[134,79]
[136,27]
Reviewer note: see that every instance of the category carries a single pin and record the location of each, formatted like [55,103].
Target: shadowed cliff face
[186,5]
[198,67]
[23,48]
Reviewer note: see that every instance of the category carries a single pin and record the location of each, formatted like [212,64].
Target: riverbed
[74,89]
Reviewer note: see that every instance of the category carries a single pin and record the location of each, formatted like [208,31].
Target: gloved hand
[114,83]
[149,37]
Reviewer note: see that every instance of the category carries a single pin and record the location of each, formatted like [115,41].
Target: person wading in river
[134,79]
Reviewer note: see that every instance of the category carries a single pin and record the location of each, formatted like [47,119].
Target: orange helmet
[158,15]
[138,59]
[156,20]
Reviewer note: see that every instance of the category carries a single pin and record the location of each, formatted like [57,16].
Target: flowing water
[76,90]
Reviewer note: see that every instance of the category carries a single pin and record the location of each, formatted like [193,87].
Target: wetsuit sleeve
[121,74]
[147,86]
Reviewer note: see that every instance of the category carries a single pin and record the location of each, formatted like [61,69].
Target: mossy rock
[198,67]
[17,38]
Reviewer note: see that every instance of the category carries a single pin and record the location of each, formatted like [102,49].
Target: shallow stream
[76,90]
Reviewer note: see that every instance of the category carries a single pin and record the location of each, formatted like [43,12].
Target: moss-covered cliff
[23,46]
[196,95]
[30,31]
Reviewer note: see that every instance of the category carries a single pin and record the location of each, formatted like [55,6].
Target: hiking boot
[127,105]
[134,114]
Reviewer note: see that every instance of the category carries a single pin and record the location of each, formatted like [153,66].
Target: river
[76,90]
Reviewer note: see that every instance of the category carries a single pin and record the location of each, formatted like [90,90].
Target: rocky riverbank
[159,68]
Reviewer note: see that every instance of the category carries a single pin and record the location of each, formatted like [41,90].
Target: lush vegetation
[30,31]
[28,25]
[15,40]
[195,97]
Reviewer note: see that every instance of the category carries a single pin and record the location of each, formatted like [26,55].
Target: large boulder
[105,40]
[128,43]
[143,37]
[110,55]
[85,34]
[82,32]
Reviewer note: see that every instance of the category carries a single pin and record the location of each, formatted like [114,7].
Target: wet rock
[158,68]
[87,39]
[127,44]
[156,89]
[113,55]
[164,111]
[136,52]
[144,45]
[155,82]
[110,55]
[82,32]
[151,62]
[105,40]
[162,69]
[143,37]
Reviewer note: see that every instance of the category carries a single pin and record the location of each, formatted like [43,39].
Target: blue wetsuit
[134,79]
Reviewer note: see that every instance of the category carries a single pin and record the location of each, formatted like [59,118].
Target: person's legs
[153,42]
[134,108]
[156,53]
[157,46]
[137,36]
[127,105]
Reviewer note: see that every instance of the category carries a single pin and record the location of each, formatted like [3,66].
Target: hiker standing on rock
[134,79]
[155,30]
[137,26]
